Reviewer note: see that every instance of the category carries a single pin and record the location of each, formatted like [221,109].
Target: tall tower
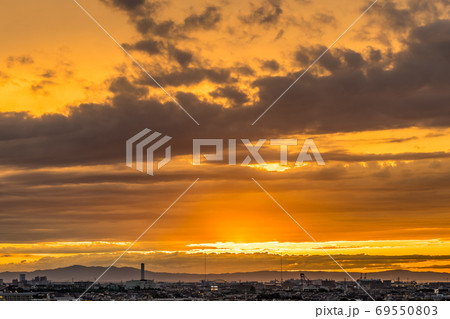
[142,271]
[281,264]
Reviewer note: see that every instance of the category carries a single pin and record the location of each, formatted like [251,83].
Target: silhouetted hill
[117,274]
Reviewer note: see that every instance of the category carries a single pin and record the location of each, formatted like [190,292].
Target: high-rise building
[141,284]
[22,277]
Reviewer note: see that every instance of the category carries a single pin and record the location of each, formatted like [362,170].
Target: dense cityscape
[40,288]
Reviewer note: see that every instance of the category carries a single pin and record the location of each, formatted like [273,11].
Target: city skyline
[376,105]
[295,287]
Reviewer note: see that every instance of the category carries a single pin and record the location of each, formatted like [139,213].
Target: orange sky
[376,106]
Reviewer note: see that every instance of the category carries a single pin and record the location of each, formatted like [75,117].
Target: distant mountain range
[117,274]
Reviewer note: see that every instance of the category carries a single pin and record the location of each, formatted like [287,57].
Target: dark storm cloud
[184,58]
[374,55]
[324,18]
[356,96]
[190,76]
[162,29]
[20,59]
[208,19]
[143,14]
[88,132]
[122,86]
[49,74]
[96,133]
[338,59]
[399,18]
[244,70]
[153,47]
[329,61]
[400,140]
[158,35]
[271,65]
[48,78]
[148,46]
[41,85]
[361,95]
[267,13]
[233,94]
[126,4]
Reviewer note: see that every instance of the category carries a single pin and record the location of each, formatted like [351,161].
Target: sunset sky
[377,106]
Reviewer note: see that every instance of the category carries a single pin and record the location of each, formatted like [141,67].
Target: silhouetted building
[40,281]
[141,284]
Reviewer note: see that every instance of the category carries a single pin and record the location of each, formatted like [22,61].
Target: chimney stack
[142,271]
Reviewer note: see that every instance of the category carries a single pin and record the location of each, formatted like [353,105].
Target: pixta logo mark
[146,140]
